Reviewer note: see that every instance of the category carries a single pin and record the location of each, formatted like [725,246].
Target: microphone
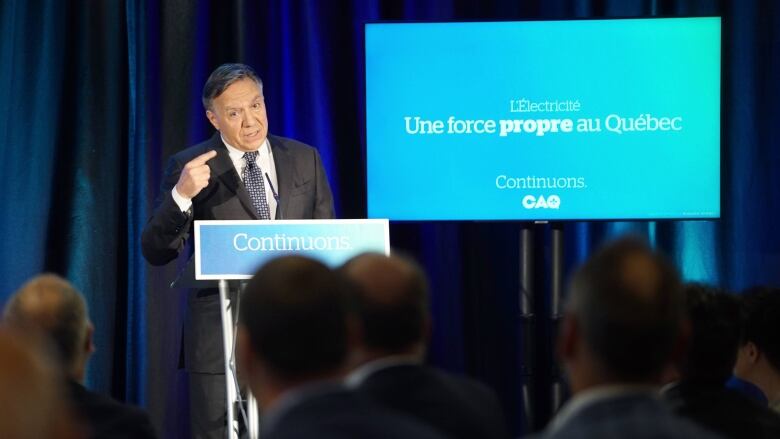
[276,196]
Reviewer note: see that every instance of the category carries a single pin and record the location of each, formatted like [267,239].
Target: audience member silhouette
[390,300]
[621,326]
[758,359]
[700,393]
[51,305]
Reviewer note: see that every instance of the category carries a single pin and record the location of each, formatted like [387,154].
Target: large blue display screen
[591,119]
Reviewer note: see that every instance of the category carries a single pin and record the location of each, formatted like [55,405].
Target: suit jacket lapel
[284,173]
[223,167]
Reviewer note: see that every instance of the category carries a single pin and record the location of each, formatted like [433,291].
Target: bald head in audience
[392,301]
[51,304]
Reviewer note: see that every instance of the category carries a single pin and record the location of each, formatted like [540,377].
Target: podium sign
[236,249]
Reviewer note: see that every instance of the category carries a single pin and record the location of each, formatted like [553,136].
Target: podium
[230,250]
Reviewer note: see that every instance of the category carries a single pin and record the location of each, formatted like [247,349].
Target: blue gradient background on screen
[664,67]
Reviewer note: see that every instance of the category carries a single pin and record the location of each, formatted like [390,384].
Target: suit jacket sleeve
[323,203]
[168,228]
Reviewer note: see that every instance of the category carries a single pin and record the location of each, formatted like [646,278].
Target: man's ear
[568,337]
[213,119]
[682,343]
[354,332]
[354,341]
[89,344]
[427,329]
[753,353]
[244,354]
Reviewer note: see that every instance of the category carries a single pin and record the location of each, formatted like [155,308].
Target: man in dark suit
[699,393]
[390,299]
[292,349]
[52,306]
[621,326]
[241,173]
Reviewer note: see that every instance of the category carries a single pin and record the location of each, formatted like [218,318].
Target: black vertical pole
[556,311]
[526,291]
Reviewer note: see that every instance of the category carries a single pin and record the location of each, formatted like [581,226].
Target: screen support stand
[529,296]
[525,299]
[556,311]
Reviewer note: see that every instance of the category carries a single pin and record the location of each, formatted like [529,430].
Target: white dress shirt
[265,161]
[363,372]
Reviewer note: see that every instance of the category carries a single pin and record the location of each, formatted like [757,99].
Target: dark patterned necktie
[253,181]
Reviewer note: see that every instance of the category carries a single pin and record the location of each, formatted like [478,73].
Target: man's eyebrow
[255,99]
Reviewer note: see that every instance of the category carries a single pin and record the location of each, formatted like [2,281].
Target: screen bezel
[364,139]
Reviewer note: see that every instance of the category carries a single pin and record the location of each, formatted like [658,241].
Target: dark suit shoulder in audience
[724,411]
[108,418]
[627,416]
[457,406]
[344,414]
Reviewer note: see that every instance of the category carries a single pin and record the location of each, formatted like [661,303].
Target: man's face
[239,114]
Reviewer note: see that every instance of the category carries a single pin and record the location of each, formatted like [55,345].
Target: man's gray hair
[222,77]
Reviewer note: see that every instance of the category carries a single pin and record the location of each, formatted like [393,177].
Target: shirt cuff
[184,203]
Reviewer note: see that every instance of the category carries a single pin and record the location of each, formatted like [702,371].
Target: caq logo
[551,202]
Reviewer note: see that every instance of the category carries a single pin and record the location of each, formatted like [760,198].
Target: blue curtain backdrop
[95,95]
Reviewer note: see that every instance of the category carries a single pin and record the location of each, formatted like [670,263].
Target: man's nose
[248,121]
